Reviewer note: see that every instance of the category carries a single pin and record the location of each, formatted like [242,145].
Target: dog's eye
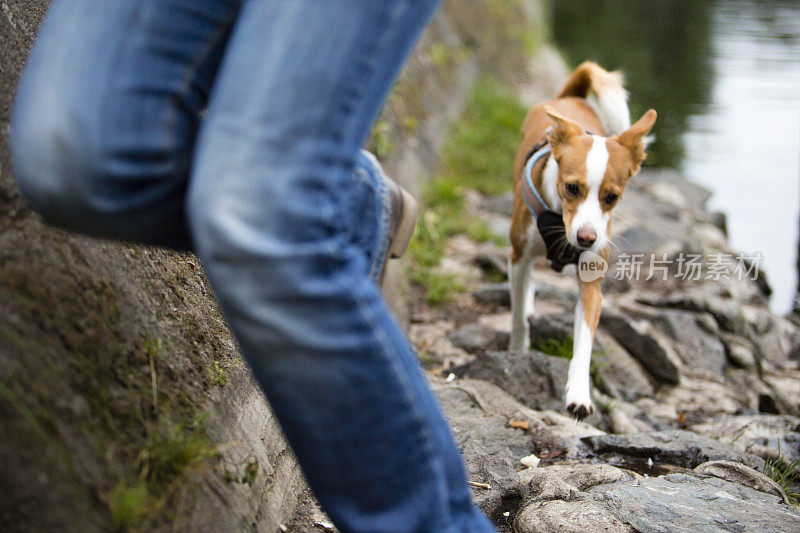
[573,189]
[611,198]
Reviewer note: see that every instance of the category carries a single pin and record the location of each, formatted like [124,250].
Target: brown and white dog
[594,150]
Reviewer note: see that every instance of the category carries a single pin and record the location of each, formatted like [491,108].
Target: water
[724,76]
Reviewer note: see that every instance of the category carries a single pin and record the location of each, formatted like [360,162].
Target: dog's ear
[633,138]
[563,130]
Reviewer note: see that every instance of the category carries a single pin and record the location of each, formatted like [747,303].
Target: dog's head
[592,174]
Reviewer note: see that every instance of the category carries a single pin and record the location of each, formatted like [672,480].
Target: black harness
[551,224]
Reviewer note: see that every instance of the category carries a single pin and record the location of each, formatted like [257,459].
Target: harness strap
[533,200]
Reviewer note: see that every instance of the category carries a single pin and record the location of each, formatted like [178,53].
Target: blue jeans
[271,191]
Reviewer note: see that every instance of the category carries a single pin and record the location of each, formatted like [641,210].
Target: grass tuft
[130,504]
[217,374]
[173,449]
[785,473]
[555,347]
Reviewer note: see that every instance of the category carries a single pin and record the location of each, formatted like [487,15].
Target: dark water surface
[724,76]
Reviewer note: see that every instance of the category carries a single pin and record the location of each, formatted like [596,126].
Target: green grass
[439,287]
[130,504]
[173,449]
[478,155]
[785,473]
[170,452]
[555,347]
[217,374]
[481,146]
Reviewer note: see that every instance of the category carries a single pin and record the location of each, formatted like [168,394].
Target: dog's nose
[586,236]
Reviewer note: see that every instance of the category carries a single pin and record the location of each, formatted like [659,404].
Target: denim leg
[106,116]
[300,83]
[107,109]
[367,212]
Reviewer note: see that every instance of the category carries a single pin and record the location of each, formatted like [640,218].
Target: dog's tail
[612,98]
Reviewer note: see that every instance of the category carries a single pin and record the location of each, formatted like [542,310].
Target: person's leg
[107,110]
[298,88]
[106,116]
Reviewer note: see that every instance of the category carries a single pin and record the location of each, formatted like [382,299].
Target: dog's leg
[587,315]
[521,285]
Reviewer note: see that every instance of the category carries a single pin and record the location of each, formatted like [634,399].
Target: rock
[568,517]
[716,496]
[493,294]
[667,192]
[546,328]
[756,433]
[696,347]
[579,476]
[622,419]
[544,484]
[433,346]
[459,268]
[739,351]
[533,378]
[743,475]
[784,387]
[497,321]
[644,343]
[676,447]
[756,395]
[479,413]
[775,337]
[550,291]
[502,204]
[639,239]
[726,311]
[498,224]
[616,372]
[557,490]
[710,235]
[688,503]
[661,415]
[719,219]
[694,195]
[492,264]
[708,395]
[505,492]
[476,338]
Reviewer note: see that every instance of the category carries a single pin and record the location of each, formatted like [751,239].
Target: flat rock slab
[535,379]
[582,497]
[644,342]
[685,503]
[479,414]
[761,435]
[676,447]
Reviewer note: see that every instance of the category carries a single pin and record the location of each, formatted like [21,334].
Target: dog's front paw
[580,411]
[579,400]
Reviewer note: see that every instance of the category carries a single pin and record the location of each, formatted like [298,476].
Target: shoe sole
[405,229]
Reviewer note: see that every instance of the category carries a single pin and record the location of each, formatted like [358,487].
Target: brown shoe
[402,221]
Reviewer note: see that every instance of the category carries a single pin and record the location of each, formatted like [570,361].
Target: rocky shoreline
[696,382]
